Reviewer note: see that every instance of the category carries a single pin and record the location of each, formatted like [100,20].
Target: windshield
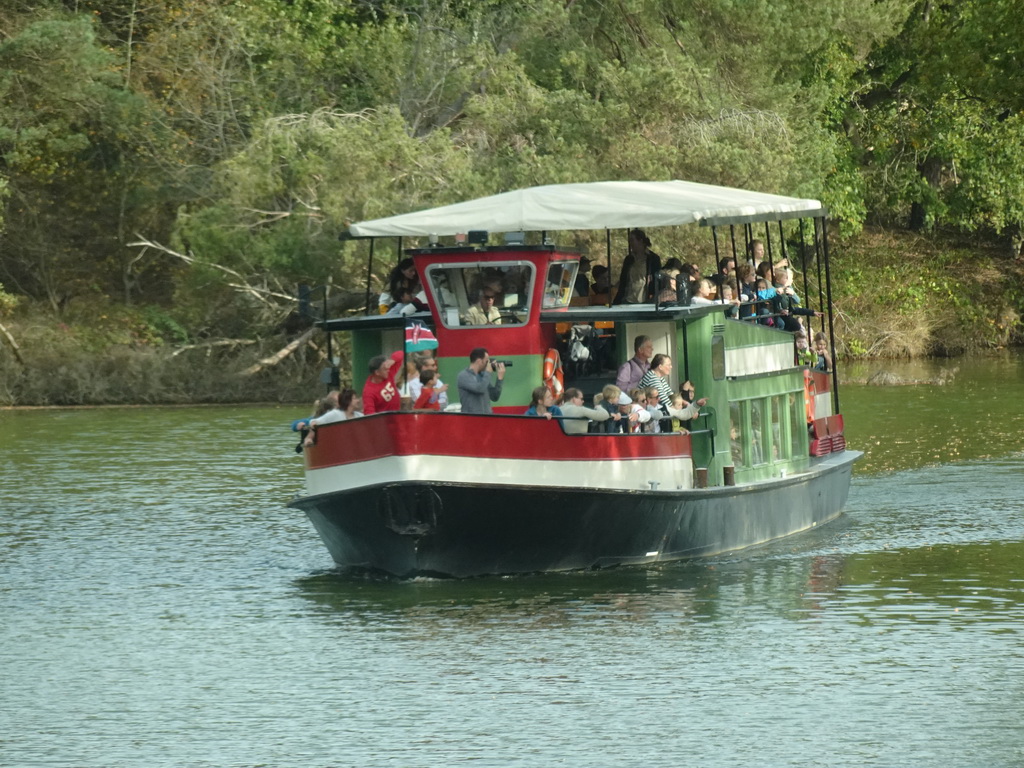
[481,294]
[559,284]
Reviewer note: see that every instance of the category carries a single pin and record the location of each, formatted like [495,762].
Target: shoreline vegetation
[897,295]
[161,204]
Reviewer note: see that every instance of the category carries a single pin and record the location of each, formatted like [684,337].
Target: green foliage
[939,118]
[70,149]
[247,135]
[7,302]
[905,296]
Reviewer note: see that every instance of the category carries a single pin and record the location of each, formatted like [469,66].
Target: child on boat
[824,361]
[805,356]
[429,398]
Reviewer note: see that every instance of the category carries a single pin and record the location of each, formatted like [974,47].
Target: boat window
[797,425]
[718,357]
[736,434]
[494,293]
[559,284]
[757,436]
[779,451]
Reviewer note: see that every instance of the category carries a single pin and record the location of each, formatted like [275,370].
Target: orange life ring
[809,392]
[552,374]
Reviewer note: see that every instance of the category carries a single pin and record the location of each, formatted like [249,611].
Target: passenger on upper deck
[484,313]
[476,392]
[666,285]
[403,276]
[379,391]
[727,295]
[787,301]
[702,295]
[726,265]
[601,286]
[631,371]
[747,289]
[636,280]
[757,256]
[581,288]
[576,416]
[404,304]
[542,403]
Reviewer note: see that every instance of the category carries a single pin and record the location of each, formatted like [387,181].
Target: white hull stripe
[631,475]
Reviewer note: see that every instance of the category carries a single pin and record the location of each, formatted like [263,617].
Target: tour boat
[455,494]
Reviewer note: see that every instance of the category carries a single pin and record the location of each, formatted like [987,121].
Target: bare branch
[208,345]
[280,354]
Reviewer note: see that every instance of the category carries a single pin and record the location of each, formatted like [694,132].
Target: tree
[69,150]
[938,120]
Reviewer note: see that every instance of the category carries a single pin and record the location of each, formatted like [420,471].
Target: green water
[159,606]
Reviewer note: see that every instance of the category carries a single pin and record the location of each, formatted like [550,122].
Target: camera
[494,364]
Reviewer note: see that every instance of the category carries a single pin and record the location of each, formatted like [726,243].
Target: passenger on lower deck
[576,416]
[428,398]
[476,392]
[320,407]
[348,406]
[631,371]
[379,392]
[657,377]
[643,415]
[617,403]
[425,361]
[542,403]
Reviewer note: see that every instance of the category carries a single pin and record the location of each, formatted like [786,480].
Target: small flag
[418,337]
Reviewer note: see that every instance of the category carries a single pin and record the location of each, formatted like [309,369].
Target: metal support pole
[369,274]
[831,326]
[817,261]
[608,259]
[803,260]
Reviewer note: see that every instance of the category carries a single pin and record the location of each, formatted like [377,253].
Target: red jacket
[381,396]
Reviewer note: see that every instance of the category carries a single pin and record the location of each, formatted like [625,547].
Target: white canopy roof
[595,205]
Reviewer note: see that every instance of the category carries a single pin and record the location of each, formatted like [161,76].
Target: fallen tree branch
[280,355]
[210,344]
[261,294]
[13,343]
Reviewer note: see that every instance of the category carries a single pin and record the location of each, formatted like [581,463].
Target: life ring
[809,392]
[552,374]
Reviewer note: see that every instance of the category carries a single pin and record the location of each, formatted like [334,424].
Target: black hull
[448,529]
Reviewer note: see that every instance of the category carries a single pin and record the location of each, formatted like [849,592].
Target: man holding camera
[476,392]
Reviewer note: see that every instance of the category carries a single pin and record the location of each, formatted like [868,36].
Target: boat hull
[468,529]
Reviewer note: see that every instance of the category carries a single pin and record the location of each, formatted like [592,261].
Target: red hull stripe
[499,437]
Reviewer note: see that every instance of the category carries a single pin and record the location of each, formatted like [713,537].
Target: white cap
[624,399]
